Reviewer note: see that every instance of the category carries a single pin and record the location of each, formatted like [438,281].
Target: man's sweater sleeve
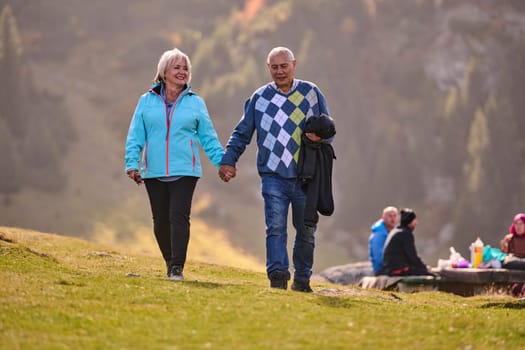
[322,105]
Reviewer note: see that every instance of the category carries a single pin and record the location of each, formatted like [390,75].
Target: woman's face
[519,225]
[177,73]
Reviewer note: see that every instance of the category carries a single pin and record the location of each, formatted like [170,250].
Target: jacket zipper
[167,138]
[169,117]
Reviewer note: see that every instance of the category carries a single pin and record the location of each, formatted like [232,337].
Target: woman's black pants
[171,207]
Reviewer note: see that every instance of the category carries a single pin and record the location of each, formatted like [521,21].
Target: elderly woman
[169,123]
[514,244]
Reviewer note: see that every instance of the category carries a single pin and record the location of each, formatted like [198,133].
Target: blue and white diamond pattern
[278,100]
[311,96]
[280,117]
[287,157]
[266,122]
[281,120]
[283,137]
[261,104]
[269,141]
[309,113]
[273,162]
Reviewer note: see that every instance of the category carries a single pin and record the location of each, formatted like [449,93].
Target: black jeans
[171,207]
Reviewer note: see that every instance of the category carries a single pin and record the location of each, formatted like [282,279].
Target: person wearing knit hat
[400,256]
[514,244]
[407,216]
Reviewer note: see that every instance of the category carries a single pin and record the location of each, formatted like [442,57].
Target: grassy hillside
[64,293]
[120,228]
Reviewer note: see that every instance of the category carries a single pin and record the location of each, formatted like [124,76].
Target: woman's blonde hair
[168,58]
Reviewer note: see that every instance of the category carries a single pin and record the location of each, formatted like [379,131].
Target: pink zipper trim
[193,160]
[169,118]
[146,157]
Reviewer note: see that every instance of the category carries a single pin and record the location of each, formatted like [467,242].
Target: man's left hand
[313,137]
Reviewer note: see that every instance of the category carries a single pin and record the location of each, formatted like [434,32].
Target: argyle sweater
[279,120]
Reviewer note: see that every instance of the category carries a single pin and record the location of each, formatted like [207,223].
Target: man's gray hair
[168,58]
[279,50]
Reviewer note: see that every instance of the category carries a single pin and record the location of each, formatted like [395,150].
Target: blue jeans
[278,194]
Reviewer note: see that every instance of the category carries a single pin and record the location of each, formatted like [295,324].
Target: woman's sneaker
[176,273]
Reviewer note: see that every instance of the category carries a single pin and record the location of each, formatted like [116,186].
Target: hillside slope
[59,292]
[425,95]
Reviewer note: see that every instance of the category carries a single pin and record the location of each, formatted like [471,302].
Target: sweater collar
[295,82]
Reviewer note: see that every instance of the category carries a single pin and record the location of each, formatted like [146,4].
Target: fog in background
[427,96]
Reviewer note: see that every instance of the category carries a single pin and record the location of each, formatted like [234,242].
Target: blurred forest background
[427,95]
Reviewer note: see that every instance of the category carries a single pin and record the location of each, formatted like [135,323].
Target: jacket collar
[155,88]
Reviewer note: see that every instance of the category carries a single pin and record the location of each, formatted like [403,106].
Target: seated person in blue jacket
[400,257]
[379,232]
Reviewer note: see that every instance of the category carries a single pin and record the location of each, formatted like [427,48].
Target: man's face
[282,70]
[390,219]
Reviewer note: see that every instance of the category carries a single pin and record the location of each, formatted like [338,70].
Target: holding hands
[227,172]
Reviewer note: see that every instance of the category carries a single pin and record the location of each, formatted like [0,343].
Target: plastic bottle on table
[476,253]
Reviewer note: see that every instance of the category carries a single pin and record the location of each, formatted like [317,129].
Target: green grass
[65,293]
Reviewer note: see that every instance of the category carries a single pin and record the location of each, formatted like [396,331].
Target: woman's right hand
[135,176]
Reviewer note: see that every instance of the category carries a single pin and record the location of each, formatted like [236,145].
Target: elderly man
[379,233]
[277,111]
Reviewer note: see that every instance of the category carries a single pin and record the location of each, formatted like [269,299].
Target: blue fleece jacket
[169,141]
[376,244]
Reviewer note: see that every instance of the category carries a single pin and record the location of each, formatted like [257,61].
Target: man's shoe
[279,280]
[301,286]
[278,283]
[176,273]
